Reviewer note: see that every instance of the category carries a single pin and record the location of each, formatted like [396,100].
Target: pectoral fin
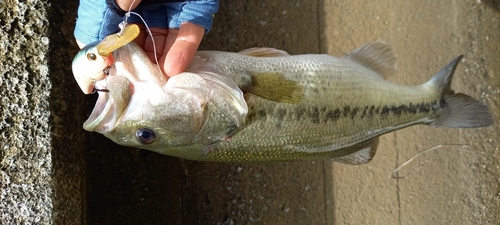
[361,156]
[275,87]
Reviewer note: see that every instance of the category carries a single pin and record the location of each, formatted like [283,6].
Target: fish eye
[91,56]
[145,135]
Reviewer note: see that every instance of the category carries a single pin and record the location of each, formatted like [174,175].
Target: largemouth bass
[263,105]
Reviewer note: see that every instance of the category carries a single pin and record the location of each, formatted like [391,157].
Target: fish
[264,105]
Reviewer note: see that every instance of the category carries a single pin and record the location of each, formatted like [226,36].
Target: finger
[126,5]
[141,38]
[159,37]
[80,44]
[183,49]
[172,36]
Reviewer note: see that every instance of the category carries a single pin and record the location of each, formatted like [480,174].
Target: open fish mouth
[110,104]
[101,109]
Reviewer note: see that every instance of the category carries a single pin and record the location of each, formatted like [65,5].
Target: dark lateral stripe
[397,110]
[300,112]
[317,115]
[332,115]
[323,115]
[346,110]
[365,110]
[385,111]
[371,111]
[354,112]
[281,113]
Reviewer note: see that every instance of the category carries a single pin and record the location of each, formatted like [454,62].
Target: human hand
[175,48]
[177,27]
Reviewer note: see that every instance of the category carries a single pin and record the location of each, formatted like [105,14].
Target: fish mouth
[110,104]
[101,110]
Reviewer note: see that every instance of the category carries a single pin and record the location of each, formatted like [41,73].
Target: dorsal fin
[361,156]
[377,56]
[264,52]
[275,87]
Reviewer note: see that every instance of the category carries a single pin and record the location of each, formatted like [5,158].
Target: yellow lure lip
[115,41]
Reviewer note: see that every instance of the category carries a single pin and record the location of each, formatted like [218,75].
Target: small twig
[392,175]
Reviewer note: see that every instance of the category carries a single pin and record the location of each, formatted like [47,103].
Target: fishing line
[392,175]
[122,26]
[124,23]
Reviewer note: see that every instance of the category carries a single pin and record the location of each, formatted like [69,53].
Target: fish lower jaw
[102,110]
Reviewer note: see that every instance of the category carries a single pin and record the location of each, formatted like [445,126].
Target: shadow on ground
[495,4]
[132,186]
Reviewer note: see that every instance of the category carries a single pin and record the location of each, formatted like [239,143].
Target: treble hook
[105,71]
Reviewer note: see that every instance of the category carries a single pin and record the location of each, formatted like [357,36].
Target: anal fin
[364,155]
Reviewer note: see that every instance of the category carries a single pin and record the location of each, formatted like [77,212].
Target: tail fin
[458,110]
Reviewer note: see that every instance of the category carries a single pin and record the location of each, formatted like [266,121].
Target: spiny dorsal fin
[275,87]
[377,56]
[264,52]
[364,155]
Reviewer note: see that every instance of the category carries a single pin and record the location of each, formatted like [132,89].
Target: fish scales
[330,116]
[263,105]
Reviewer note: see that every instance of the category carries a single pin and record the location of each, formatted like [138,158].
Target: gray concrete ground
[53,172]
[451,185]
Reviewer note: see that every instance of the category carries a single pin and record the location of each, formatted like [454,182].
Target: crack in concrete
[398,190]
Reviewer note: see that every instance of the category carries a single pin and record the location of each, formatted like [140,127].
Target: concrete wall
[41,141]
[52,171]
